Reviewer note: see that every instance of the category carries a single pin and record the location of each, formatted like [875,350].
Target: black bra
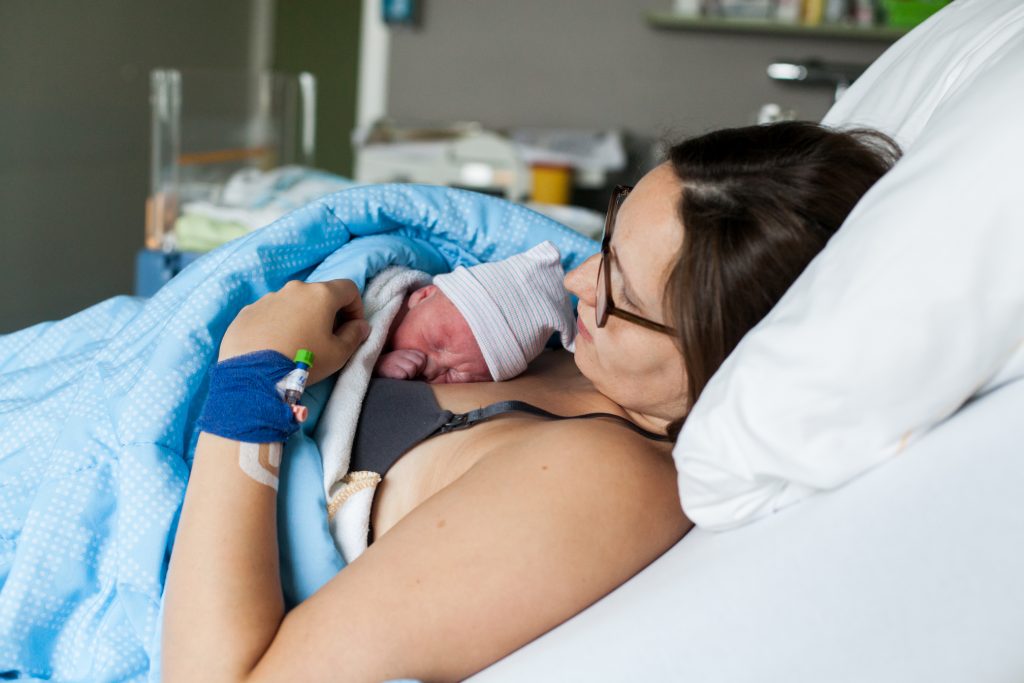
[398,414]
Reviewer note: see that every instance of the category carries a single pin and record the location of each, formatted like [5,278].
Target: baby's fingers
[393,367]
[412,361]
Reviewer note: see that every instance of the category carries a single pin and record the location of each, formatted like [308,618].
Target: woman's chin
[581,356]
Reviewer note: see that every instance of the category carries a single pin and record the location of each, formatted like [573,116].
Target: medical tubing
[294,383]
[243,402]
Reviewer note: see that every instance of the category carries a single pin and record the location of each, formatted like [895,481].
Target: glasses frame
[605,305]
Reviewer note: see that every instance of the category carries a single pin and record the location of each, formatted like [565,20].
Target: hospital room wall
[74,135]
[322,37]
[593,64]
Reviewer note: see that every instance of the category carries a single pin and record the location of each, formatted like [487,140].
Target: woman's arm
[511,549]
[514,547]
[518,544]
[223,599]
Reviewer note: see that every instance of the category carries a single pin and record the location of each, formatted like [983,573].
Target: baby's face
[433,326]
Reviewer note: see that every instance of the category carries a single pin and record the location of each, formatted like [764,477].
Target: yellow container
[551,183]
[814,12]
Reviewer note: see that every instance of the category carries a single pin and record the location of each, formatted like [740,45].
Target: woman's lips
[582,329]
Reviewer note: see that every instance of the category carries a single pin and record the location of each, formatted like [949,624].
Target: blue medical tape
[243,403]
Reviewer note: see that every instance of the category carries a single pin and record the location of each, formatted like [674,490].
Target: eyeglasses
[605,305]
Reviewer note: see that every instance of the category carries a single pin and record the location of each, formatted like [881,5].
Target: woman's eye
[624,298]
[619,290]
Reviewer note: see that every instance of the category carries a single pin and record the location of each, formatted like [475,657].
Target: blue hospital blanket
[97,416]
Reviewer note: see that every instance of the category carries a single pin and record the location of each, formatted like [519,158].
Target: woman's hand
[324,317]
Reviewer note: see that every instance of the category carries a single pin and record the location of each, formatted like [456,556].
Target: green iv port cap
[304,356]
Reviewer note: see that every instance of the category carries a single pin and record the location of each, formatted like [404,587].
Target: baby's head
[434,342]
[481,323]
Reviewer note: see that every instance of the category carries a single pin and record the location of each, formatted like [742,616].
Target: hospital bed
[911,572]
[908,572]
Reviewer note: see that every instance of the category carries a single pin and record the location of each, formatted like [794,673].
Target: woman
[488,537]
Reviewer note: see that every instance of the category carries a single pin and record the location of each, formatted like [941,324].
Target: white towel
[350,494]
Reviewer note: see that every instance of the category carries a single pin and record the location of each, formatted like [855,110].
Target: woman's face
[640,369]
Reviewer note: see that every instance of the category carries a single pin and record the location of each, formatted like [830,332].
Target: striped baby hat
[513,306]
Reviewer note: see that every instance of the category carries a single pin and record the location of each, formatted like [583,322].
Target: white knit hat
[513,306]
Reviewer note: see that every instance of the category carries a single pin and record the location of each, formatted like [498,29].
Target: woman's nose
[582,280]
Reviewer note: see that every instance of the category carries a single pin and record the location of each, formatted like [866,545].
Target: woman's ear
[421,295]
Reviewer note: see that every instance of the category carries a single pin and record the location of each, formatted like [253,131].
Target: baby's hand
[401,364]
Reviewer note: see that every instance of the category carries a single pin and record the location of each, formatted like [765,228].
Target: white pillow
[915,305]
[902,88]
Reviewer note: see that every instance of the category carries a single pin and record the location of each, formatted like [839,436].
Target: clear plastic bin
[209,124]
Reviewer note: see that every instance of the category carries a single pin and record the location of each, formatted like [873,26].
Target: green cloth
[199,233]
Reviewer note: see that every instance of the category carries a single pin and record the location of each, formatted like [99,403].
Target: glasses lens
[609,218]
[604,288]
[601,310]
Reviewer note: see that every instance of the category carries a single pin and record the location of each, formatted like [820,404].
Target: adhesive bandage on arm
[249,461]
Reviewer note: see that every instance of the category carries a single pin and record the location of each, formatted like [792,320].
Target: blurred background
[138,134]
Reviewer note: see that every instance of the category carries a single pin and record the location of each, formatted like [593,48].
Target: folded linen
[199,233]
[250,199]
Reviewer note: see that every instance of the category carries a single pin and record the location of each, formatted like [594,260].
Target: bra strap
[465,420]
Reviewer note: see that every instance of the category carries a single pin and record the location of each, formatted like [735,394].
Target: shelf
[670,21]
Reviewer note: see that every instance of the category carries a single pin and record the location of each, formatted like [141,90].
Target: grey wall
[74,136]
[592,64]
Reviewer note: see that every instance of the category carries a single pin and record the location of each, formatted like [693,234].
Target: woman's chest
[435,463]
[424,469]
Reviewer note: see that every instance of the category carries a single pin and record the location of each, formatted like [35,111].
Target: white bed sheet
[913,572]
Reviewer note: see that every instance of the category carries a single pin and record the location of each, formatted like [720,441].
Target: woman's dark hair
[758,203]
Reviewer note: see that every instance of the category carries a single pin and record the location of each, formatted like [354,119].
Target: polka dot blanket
[97,420]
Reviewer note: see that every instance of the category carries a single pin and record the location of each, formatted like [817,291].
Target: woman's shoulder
[603,451]
[602,435]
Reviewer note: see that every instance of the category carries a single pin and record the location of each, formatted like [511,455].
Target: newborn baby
[482,323]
